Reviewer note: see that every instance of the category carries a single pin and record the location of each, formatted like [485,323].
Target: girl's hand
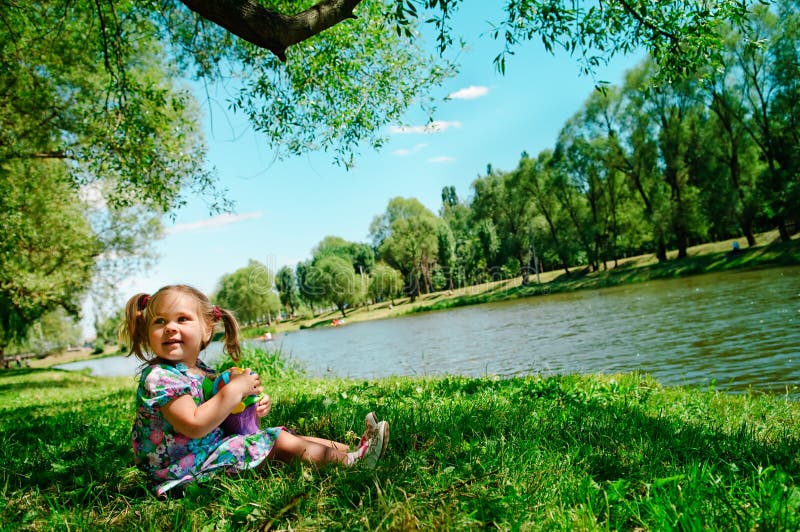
[264,406]
[247,382]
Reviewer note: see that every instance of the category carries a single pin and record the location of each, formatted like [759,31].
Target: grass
[704,258]
[558,453]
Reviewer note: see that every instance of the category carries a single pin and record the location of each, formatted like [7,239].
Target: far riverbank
[704,258]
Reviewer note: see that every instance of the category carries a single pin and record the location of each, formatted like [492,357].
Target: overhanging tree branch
[642,19]
[269,29]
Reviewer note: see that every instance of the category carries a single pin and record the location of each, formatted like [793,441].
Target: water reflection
[737,329]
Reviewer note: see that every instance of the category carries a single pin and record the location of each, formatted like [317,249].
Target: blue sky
[284,208]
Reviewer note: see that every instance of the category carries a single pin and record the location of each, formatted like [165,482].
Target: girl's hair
[134,330]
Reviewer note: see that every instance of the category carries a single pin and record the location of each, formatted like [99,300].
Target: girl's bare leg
[289,447]
[330,443]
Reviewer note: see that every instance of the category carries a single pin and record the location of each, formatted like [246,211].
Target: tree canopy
[46,255]
[248,293]
[288,292]
[330,74]
[338,282]
[406,239]
[310,75]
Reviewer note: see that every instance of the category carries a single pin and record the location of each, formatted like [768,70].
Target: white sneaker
[371,424]
[376,445]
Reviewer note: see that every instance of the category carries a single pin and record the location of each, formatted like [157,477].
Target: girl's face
[176,330]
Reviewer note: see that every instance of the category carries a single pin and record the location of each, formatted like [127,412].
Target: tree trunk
[526,267]
[413,287]
[783,230]
[269,29]
[747,229]
[661,252]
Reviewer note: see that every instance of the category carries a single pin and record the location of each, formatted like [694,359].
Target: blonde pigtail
[231,344]
[133,331]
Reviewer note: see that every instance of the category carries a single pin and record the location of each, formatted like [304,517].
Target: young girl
[176,434]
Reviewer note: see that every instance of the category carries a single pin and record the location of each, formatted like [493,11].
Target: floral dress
[173,459]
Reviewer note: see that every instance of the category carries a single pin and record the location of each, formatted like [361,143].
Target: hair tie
[217,313]
[143,301]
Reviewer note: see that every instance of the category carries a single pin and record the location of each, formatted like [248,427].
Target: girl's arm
[195,421]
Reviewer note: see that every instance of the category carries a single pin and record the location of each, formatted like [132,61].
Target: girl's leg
[289,447]
[330,443]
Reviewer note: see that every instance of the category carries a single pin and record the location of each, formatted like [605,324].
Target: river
[734,330]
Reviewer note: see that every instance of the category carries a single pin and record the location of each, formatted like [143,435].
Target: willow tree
[288,292]
[768,72]
[249,293]
[46,255]
[339,283]
[406,239]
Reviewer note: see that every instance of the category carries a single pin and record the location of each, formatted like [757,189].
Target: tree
[100,100]
[734,148]
[326,76]
[307,284]
[767,58]
[46,255]
[679,35]
[385,282]
[248,293]
[456,215]
[54,331]
[360,255]
[107,329]
[338,282]
[487,210]
[536,180]
[575,196]
[504,200]
[635,153]
[92,85]
[286,284]
[92,153]
[446,257]
[676,115]
[405,237]
[580,154]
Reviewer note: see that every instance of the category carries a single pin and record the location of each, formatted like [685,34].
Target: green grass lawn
[563,453]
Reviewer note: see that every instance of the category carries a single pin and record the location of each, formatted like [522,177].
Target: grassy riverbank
[563,453]
[705,258]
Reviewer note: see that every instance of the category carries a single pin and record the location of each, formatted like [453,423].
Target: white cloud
[469,93]
[402,152]
[436,126]
[442,159]
[212,223]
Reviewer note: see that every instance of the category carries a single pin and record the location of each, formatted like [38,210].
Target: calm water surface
[735,329]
